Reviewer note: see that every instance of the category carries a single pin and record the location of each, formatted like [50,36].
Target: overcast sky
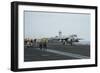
[48,24]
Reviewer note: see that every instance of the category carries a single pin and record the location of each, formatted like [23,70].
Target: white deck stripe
[67,54]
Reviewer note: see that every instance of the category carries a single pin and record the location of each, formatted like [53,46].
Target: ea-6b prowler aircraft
[70,40]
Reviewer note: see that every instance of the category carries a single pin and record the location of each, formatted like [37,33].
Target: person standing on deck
[43,43]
